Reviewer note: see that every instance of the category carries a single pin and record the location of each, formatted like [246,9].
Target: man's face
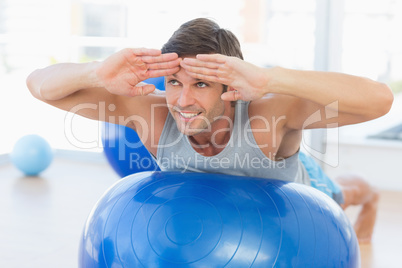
[194,104]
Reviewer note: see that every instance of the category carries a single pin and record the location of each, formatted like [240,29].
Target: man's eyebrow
[174,75]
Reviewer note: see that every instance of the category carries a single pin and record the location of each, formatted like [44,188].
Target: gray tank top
[241,156]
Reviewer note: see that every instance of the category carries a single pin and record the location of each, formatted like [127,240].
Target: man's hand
[246,81]
[122,72]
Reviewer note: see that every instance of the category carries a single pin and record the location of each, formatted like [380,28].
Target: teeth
[188,115]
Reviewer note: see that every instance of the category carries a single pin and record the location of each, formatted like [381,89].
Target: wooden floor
[42,217]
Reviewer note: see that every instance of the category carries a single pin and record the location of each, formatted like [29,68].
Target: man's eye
[201,84]
[174,82]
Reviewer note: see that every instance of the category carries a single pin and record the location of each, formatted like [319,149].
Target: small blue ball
[31,154]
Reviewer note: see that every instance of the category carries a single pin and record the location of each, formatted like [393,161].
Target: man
[219,113]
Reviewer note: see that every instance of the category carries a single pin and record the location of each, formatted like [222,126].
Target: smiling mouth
[189,115]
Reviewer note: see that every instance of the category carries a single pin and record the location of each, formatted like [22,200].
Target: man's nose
[186,97]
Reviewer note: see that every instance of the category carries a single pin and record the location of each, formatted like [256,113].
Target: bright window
[34,34]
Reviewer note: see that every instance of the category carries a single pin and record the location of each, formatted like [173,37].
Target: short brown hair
[202,36]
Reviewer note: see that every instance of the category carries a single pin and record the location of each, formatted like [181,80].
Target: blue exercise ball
[173,219]
[123,148]
[31,154]
[125,152]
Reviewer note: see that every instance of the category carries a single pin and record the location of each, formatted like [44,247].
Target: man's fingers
[164,65]
[211,78]
[146,51]
[231,96]
[218,58]
[200,63]
[162,72]
[200,70]
[147,58]
[142,89]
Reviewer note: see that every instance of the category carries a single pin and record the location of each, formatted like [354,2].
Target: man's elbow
[33,86]
[384,101]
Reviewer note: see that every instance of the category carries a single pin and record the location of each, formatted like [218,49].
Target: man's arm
[114,82]
[351,99]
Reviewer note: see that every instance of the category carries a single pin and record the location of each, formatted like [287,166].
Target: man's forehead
[183,75]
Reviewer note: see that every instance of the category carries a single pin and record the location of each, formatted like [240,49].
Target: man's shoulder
[268,119]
